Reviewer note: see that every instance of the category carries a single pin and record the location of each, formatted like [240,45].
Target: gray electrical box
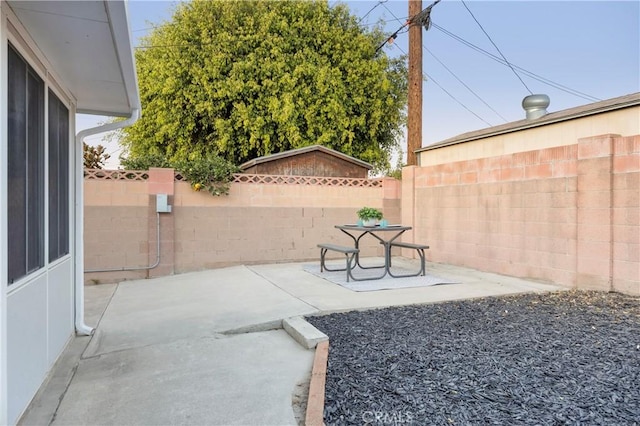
[162,203]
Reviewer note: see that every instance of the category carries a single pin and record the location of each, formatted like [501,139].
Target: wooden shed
[315,160]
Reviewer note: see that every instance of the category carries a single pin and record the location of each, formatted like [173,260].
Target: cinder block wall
[116,228]
[625,215]
[255,223]
[568,214]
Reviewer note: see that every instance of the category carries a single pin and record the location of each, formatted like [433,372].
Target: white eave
[88,43]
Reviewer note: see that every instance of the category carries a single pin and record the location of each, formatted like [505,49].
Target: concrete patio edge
[304,333]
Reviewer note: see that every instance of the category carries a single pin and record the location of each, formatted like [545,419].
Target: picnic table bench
[349,253]
[420,248]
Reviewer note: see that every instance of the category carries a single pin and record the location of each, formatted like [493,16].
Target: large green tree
[241,79]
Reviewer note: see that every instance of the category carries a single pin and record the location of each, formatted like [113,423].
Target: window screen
[25,130]
[58,178]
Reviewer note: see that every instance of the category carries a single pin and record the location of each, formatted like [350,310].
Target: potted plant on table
[369,216]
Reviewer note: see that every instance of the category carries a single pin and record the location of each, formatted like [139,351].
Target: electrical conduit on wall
[137,268]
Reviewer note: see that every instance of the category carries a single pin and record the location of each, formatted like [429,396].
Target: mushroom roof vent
[535,106]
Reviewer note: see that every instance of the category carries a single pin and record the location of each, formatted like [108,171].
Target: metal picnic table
[386,235]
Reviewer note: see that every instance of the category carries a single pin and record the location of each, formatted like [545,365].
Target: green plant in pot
[369,216]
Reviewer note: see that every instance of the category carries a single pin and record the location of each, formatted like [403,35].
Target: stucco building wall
[512,138]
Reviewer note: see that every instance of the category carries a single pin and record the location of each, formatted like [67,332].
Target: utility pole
[414,113]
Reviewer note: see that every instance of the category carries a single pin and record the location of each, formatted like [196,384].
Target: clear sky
[592,47]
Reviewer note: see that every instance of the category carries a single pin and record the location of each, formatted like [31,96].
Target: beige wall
[626,122]
[255,223]
[568,214]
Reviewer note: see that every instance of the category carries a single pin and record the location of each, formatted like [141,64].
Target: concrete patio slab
[45,404]
[165,351]
[328,297]
[237,380]
[198,304]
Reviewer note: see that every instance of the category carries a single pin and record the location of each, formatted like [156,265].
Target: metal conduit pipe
[138,268]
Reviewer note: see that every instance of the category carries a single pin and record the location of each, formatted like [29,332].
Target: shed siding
[310,164]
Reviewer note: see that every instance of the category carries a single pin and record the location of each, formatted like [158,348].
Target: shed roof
[304,150]
[621,102]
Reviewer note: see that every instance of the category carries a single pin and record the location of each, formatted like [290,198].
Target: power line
[528,73]
[454,98]
[114,151]
[524,71]
[463,83]
[181,46]
[392,14]
[442,88]
[371,10]
[393,36]
[496,46]
[368,24]
[429,78]
[422,18]
[144,29]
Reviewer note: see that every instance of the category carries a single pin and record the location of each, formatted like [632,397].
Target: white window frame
[21,42]
[70,181]
[3,224]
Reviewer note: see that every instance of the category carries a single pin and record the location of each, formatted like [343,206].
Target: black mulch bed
[541,359]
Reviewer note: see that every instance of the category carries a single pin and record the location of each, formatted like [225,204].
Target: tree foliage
[94,157]
[242,79]
[209,172]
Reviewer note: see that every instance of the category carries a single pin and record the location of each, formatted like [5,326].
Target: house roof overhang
[306,149]
[88,43]
[600,107]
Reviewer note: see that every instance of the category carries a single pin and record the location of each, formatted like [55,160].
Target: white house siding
[38,309]
[3,223]
[40,323]
[59,308]
[26,343]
